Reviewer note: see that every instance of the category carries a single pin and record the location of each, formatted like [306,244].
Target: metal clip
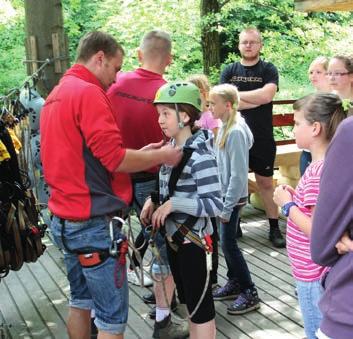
[114,245]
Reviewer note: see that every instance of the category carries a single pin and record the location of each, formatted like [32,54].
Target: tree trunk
[210,35]
[46,39]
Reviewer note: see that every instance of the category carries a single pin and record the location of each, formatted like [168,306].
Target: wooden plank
[56,52]
[286,119]
[4,328]
[278,317]
[283,102]
[269,293]
[26,306]
[287,155]
[32,42]
[12,316]
[43,301]
[284,305]
[54,286]
[143,326]
[323,5]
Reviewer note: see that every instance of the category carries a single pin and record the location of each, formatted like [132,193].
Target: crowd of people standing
[178,153]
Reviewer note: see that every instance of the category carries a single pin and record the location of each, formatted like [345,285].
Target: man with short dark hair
[132,98]
[81,152]
[257,82]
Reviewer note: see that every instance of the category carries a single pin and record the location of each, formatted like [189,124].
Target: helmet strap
[180,123]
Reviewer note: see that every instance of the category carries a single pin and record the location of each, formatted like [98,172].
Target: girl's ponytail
[228,93]
[231,121]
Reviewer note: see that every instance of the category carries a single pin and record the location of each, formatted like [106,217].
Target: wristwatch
[286,208]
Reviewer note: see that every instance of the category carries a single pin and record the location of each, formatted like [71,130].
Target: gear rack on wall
[22,189]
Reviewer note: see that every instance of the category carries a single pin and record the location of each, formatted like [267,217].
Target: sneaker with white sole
[229,291]
[136,280]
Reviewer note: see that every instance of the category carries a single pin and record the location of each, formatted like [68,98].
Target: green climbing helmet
[179,92]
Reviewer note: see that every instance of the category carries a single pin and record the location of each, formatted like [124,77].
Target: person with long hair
[232,149]
[316,118]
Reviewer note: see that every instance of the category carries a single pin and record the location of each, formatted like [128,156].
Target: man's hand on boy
[172,154]
[154,145]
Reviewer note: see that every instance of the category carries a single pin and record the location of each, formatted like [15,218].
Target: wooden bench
[287,157]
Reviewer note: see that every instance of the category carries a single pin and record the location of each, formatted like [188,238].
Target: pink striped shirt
[298,244]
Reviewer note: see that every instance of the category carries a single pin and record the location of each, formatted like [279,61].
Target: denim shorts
[160,265]
[93,287]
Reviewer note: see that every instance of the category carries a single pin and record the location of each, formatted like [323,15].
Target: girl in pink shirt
[207,121]
[316,118]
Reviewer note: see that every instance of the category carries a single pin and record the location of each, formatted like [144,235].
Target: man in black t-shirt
[257,82]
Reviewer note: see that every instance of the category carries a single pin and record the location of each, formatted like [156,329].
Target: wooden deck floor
[33,301]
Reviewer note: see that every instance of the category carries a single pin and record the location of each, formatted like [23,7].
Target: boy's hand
[147,211]
[161,213]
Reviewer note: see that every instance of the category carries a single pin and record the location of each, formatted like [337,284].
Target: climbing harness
[184,232]
[90,256]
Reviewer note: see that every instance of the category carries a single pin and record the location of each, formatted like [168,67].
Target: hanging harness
[20,227]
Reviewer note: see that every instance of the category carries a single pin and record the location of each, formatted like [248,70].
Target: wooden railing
[283,120]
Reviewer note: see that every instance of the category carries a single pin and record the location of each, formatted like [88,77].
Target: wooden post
[46,39]
[33,53]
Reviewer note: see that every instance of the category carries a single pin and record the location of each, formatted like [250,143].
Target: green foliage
[128,21]
[80,16]
[11,55]
[291,39]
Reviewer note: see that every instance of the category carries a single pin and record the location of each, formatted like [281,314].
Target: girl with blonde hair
[232,150]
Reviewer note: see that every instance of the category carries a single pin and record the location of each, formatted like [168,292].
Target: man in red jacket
[81,151]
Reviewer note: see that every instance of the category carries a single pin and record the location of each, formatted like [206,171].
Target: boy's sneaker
[166,329]
[276,238]
[149,298]
[135,280]
[246,302]
[229,291]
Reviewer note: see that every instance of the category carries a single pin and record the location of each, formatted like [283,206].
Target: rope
[35,75]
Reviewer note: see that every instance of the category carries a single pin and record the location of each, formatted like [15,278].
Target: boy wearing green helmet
[188,196]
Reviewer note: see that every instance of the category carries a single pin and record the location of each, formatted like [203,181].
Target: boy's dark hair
[96,41]
[325,108]
[191,111]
